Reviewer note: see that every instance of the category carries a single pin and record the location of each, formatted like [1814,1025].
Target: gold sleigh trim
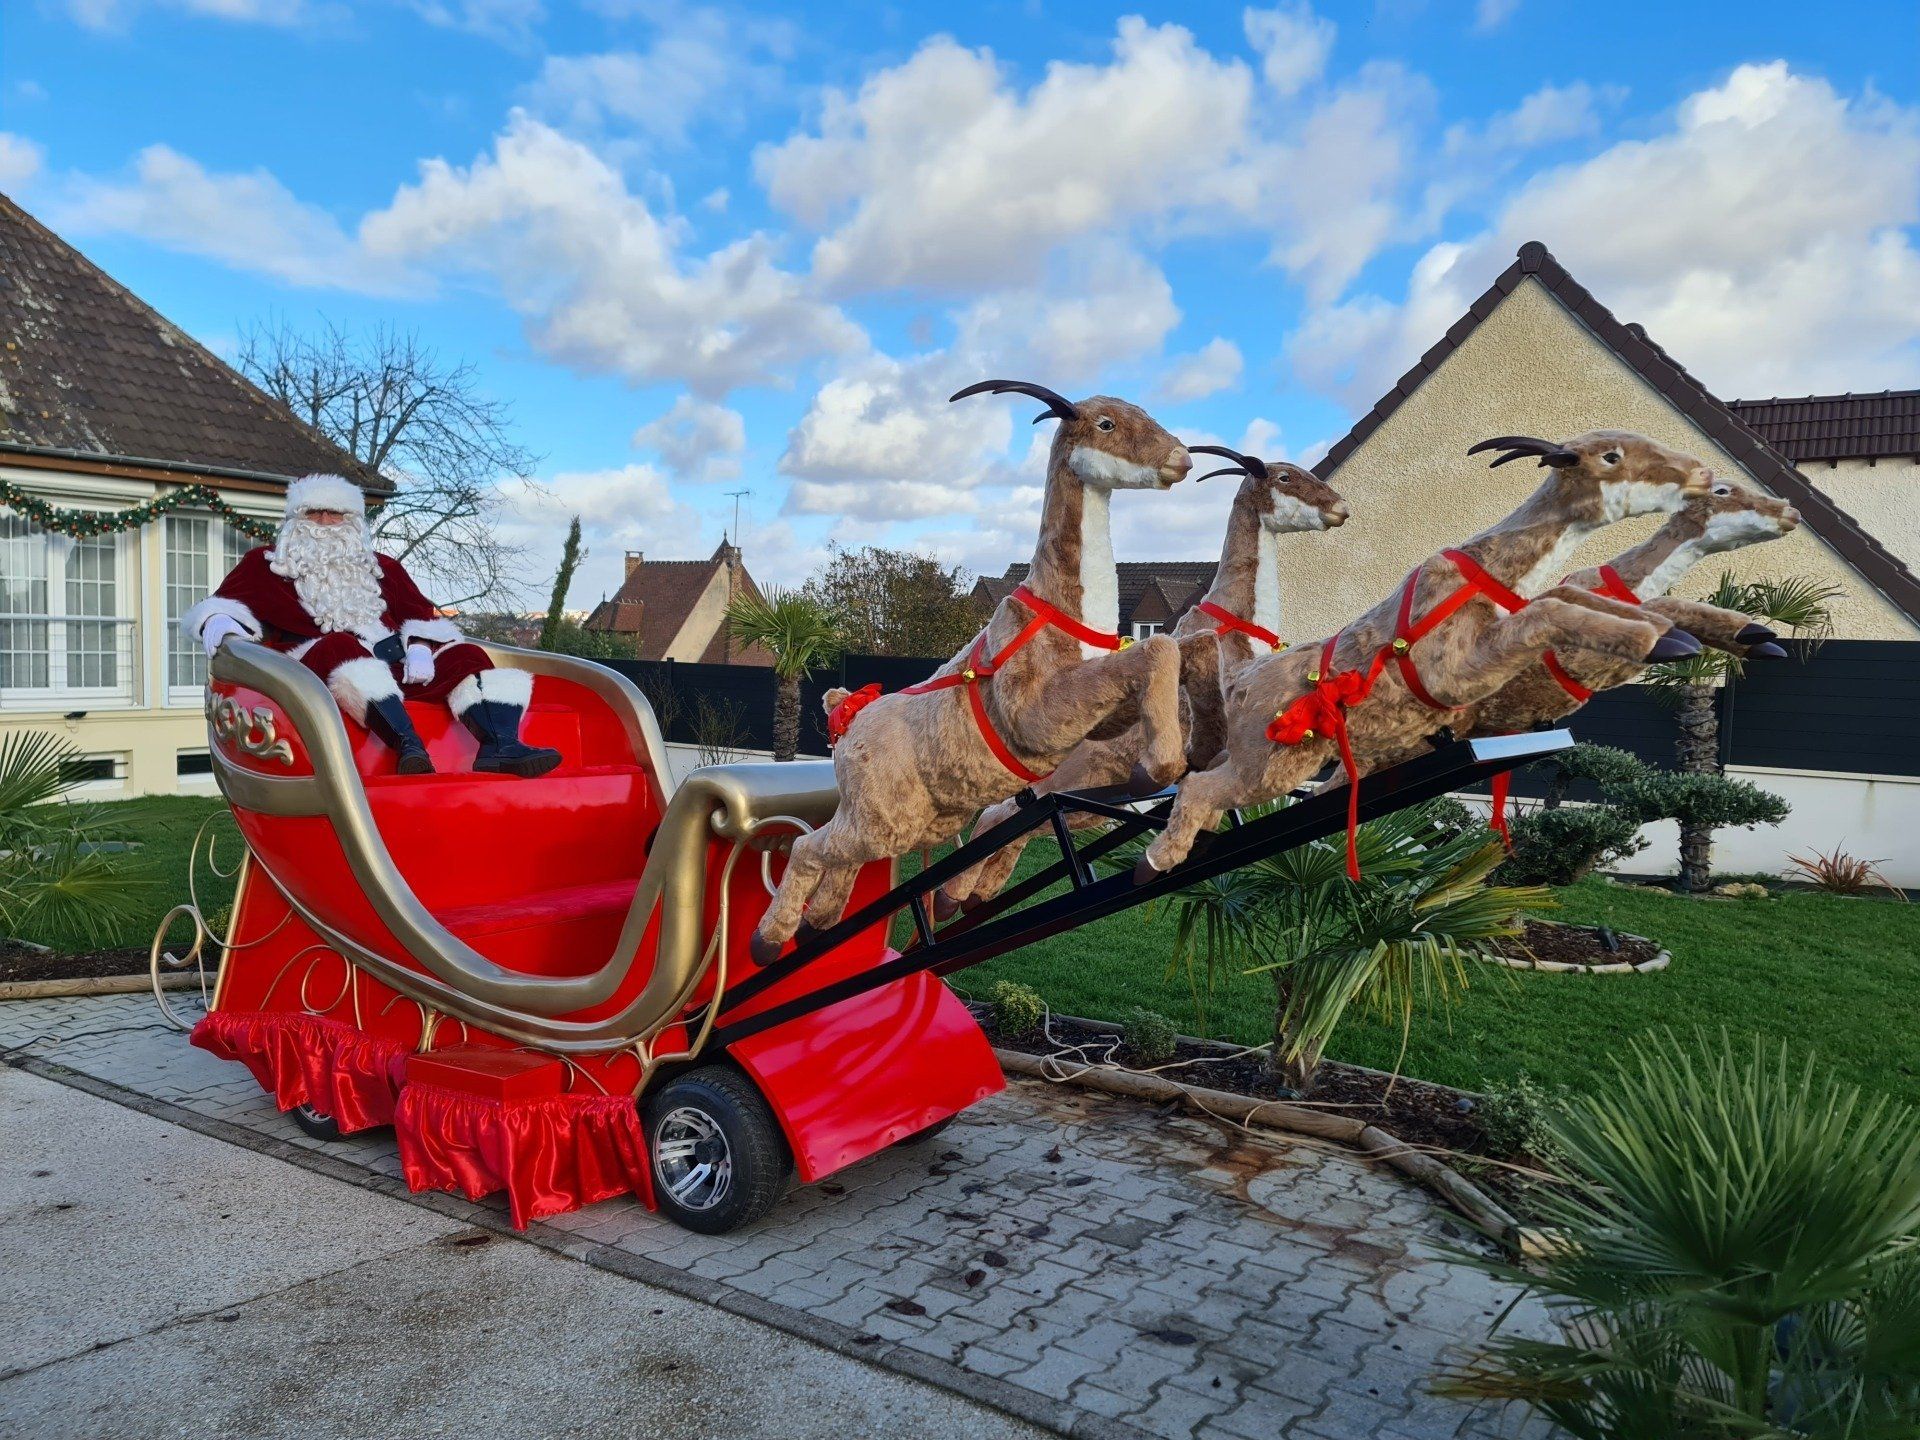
[250,730]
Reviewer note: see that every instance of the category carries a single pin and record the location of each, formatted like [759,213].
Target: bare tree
[423,422]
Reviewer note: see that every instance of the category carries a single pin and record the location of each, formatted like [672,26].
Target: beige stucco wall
[150,731]
[708,614]
[1886,490]
[1530,368]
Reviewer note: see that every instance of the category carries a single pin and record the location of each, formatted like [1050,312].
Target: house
[677,609]
[1862,450]
[106,408]
[1537,354]
[1153,593]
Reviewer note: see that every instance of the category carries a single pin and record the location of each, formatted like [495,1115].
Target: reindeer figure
[1464,624]
[1233,623]
[1045,672]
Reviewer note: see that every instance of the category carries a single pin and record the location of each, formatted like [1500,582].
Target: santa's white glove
[419,669]
[218,628]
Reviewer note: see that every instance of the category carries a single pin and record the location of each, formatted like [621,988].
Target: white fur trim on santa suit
[509,687]
[443,632]
[325,492]
[357,683]
[195,620]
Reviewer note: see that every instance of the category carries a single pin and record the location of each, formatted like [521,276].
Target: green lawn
[1842,976]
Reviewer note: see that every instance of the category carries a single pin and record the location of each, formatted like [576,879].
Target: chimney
[635,559]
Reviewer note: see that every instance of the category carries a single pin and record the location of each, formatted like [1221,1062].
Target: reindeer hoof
[1755,634]
[945,907]
[972,903]
[1143,871]
[1674,645]
[1766,650]
[1141,783]
[764,950]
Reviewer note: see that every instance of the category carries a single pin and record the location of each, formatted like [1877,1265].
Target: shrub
[1517,1119]
[1840,873]
[1698,798]
[1017,1009]
[1559,847]
[1150,1035]
[1603,766]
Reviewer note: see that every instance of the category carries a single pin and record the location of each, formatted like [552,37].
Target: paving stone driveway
[1086,1262]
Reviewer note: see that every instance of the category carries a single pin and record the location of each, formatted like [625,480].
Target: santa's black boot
[496,724]
[388,720]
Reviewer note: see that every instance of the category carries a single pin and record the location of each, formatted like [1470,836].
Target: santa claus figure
[355,618]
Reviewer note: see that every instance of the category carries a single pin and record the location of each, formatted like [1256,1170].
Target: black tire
[320,1127]
[920,1137]
[727,1162]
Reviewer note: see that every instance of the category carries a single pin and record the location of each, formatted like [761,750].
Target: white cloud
[20,160]
[1763,239]
[940,174]
[598,277]
[511,22]
[1550,114]
[1293,44]
[1098,305]
[631,507]
[247,220]
[699,441]
[1212,368]
[114,14]
[1492,14]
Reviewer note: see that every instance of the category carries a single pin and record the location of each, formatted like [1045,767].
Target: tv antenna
[736,494]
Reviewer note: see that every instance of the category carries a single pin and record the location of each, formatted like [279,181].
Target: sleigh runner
[572,1012]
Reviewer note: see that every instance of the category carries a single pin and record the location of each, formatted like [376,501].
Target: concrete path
[159,1283]
[1084,1262]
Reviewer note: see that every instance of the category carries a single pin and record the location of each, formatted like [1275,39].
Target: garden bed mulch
[1437,1119]
[1551,944]
[20,962]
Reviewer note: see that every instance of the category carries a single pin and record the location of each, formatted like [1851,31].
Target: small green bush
[1560,847]
[1603,766]
[1150,1035]
[1517,1119]
[1017,1009]
[1696,798]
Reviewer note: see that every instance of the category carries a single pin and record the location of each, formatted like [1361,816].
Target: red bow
[1318,714]
[841,716]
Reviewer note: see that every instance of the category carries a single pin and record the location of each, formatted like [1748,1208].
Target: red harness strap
[1230,621]
[981,667]
[1614,588]
[1322,710]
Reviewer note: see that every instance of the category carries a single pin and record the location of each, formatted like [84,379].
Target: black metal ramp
[1002,925]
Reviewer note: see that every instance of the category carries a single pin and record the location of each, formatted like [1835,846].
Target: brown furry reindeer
[1463,625]
[1232,624]
[1048,669]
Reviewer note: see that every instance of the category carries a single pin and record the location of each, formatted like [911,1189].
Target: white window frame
[225,546]
[1143,628]
[57,694]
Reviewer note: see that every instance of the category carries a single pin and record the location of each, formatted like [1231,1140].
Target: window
[188,763]
[200,551]
[61,635]
[1143,628]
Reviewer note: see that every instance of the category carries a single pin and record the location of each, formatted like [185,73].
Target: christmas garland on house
[87,524]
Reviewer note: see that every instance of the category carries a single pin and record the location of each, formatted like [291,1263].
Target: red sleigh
[522,976]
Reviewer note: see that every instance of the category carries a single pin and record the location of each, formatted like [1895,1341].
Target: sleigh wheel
[920,1137]
[320,1127]
[719,1159]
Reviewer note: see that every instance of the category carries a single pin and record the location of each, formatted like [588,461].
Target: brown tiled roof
[1175,584]
[1631,343]
[89,372]
[1837,427]
[654,601]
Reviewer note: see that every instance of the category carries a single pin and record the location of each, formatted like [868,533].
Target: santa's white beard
[334,572]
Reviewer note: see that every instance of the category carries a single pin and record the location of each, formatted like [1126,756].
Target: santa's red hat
[325,492]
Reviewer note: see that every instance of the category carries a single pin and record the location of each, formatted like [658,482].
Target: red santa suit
[357,620]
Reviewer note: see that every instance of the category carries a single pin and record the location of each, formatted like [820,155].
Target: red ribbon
[1322,711]
[1230,621]
[841,716]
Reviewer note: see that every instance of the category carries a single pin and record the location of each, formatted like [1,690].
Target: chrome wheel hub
[692,1160]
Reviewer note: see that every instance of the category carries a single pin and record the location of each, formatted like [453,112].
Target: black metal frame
[989,930]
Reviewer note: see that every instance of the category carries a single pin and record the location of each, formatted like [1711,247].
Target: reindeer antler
[1551,452]
[1242,464]
[1058,406]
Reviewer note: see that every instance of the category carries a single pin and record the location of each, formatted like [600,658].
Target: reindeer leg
[950,897]
[1727,630]
[830,897]
[1093,689]
[1200,683]
[1676,640]
[783,913]
[1512,645]
[1206,795]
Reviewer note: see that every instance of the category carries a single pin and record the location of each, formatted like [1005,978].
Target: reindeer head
[1625,474]
[1729,516]
[1106,444]
[1284,496]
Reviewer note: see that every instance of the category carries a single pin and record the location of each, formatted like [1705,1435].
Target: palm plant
[1738,1254]
[1798,605]
[53,874]
[1421,914]
[801,637]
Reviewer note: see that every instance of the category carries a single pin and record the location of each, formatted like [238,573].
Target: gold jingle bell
[968,676]
[1401,643]
[1313,677]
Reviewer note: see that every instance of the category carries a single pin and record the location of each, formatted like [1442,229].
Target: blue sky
[702,248]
